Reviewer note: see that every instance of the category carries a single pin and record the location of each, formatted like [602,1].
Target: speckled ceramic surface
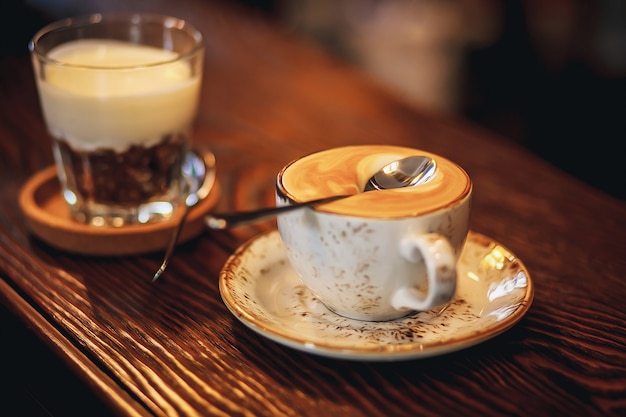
[260,288]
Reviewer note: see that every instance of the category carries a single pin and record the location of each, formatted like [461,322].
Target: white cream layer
[112,94]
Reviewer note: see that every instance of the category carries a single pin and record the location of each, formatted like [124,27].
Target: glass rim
[71,22]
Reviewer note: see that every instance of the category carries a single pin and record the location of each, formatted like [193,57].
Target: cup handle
[440,261]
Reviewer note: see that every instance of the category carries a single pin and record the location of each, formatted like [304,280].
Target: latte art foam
[346,170]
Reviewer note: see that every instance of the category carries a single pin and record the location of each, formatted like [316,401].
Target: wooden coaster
[48,217]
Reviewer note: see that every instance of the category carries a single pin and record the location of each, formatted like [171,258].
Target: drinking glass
[119,94]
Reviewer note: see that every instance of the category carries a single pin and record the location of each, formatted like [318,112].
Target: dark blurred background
[549,75]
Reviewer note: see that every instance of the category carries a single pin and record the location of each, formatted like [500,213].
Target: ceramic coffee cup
[376,255]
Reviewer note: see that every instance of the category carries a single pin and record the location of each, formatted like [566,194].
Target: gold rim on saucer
[261,290]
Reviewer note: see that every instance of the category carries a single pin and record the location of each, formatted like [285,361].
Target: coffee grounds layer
[134,176]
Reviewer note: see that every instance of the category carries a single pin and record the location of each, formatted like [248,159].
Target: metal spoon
[199,174]
[407,172]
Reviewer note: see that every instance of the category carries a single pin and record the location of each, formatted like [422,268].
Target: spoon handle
[172,245]
[226,220]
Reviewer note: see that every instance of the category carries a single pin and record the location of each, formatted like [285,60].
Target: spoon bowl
[407,172]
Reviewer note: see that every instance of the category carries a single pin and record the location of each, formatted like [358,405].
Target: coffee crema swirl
[346,170]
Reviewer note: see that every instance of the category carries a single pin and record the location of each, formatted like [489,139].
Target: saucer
[260,288]
[48,218]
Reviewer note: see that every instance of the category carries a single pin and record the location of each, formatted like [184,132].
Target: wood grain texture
[174,349]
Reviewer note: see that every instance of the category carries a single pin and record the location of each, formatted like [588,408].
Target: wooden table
[173,348]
